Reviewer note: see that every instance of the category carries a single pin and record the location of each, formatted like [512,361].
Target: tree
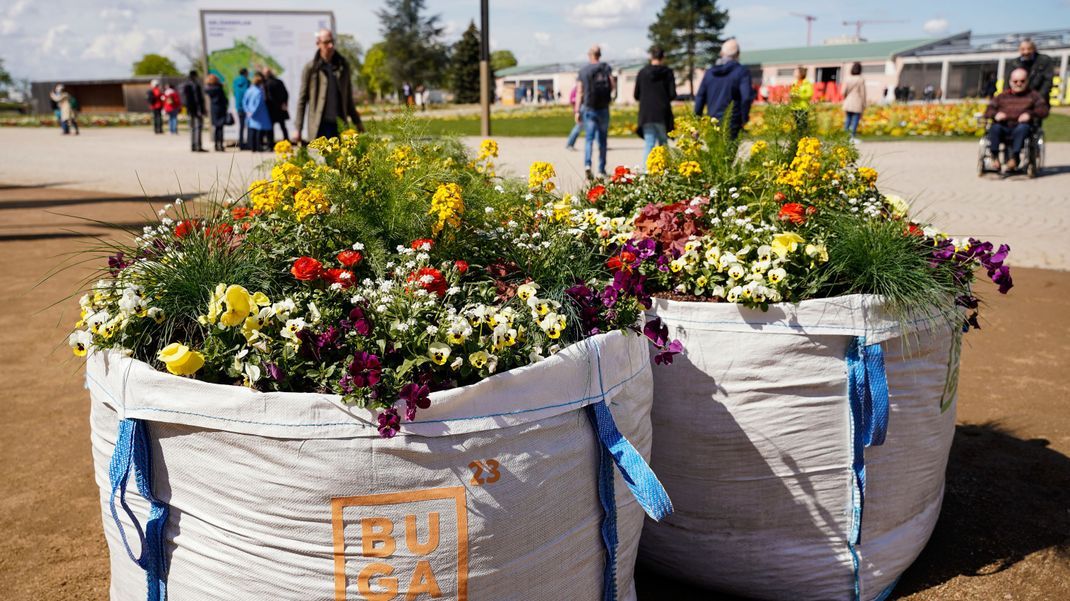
[5,77]
[412,42]
[374,71]
[155,64]
[194,55]
[502,59]
[464,67]
[690,33]
[348,46]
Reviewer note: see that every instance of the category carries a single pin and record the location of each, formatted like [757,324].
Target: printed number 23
[479,467]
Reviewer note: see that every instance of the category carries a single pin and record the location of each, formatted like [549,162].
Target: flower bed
[84,119]
[893,120]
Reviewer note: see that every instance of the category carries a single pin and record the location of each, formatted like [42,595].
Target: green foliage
[348,46]
[374,71]
[155,64]
[502,59]
[464,67]
[5,77]
[413,43]
[690,33]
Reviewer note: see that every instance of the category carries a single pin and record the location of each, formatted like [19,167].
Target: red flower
[307,269]
[620,174]
[421,243]
[780,197]
[914,230]
[349,258]
[595,193]
[430,279]
[239,213]
[223,230]
[186,227]
[793,212]
[461,266]
[339,276]
[620,262]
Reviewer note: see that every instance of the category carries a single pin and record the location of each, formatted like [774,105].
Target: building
[126,95]
[552,83]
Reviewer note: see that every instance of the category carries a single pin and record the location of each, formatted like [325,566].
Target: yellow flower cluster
[868,175]
[403,159]
[656,160]
[264,195]
[283,149]
[758,147]
[287,175]
[539,176]
[310,201]
[688,132]
[805,167]
[447,205]
[689,168]
[484,162]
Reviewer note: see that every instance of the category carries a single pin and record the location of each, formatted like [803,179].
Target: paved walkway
[939,177]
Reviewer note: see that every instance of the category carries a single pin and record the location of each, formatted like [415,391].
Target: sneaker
[1012,164]
[570,147]
[992,164]
[587,173]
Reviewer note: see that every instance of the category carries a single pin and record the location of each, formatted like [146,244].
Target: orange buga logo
[409,546]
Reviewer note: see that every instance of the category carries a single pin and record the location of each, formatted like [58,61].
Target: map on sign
[283,41]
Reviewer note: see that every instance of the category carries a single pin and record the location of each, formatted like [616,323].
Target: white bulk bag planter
[804,448]
[505,489]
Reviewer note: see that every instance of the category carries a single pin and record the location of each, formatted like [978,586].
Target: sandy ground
[1004,532]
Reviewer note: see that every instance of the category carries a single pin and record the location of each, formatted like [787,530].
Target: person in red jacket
[1012,113]
[155,99]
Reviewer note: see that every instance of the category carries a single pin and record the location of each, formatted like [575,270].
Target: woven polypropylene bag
[493,493]
[753,440]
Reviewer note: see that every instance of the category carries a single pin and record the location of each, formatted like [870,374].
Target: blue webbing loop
[132,450]
[614,449]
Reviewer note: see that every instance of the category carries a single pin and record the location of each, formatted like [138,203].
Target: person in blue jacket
[257,116]
[241,85]
[727,82]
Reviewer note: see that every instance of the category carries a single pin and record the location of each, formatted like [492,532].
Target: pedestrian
[593,96]
[278,98]
[726,83]
[172,105]
[154,97]
[241,85]
[257,116]
[854,100]
[425,93]
[326,92]
[988,88]
[217,108]
[63,101]
[1013,113]
[193,98]
[1040,67]
[570,144]
[802,92]
[406,93]
[655,89]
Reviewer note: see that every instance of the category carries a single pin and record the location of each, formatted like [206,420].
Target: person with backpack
[172,105]
[594,93]
[67,106]
[154,98]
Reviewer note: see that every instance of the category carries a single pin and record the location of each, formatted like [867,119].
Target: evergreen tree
[464,67]
[155,64]
[502,59]
[413,43]
[690,33]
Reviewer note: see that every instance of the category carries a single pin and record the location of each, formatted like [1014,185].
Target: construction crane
[809,24]
[860,22]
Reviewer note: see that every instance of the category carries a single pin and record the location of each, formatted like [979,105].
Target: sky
[67,39]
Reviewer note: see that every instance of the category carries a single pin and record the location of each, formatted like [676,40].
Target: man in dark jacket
[727,82]
[193,98]
[1041,68]
[326,92]
[655,89]
[1013,113]
[277,98]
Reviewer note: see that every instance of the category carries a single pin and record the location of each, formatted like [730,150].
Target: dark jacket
[217,104]
[1013,105]
[728,82]
[193,98]
[313,93]
[655,89]
[277,99]
[1041,71]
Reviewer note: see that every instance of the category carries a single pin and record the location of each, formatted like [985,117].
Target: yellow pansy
[438,353]
[786,242]
[478,359]
[239,305]
[180,360]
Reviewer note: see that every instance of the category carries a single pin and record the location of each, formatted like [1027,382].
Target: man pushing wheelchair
[1015,116]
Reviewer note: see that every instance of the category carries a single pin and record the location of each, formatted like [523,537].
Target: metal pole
[485,82]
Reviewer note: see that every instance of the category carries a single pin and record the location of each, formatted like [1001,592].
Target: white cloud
[936,26]
[8,27]
[18,8]
[119,47]
[117,13]
[57,41]
[541,38]
[603,14]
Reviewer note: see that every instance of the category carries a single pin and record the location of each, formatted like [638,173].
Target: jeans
[172,122]
[572,135]
[157,120]
[1017,132]
[596,123]
[196,125]
[242,141]
[654,134]
[850,124]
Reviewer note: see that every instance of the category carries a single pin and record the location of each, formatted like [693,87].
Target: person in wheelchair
[1014,114]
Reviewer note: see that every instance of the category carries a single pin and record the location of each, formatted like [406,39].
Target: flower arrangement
[379,269]
[893,120]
